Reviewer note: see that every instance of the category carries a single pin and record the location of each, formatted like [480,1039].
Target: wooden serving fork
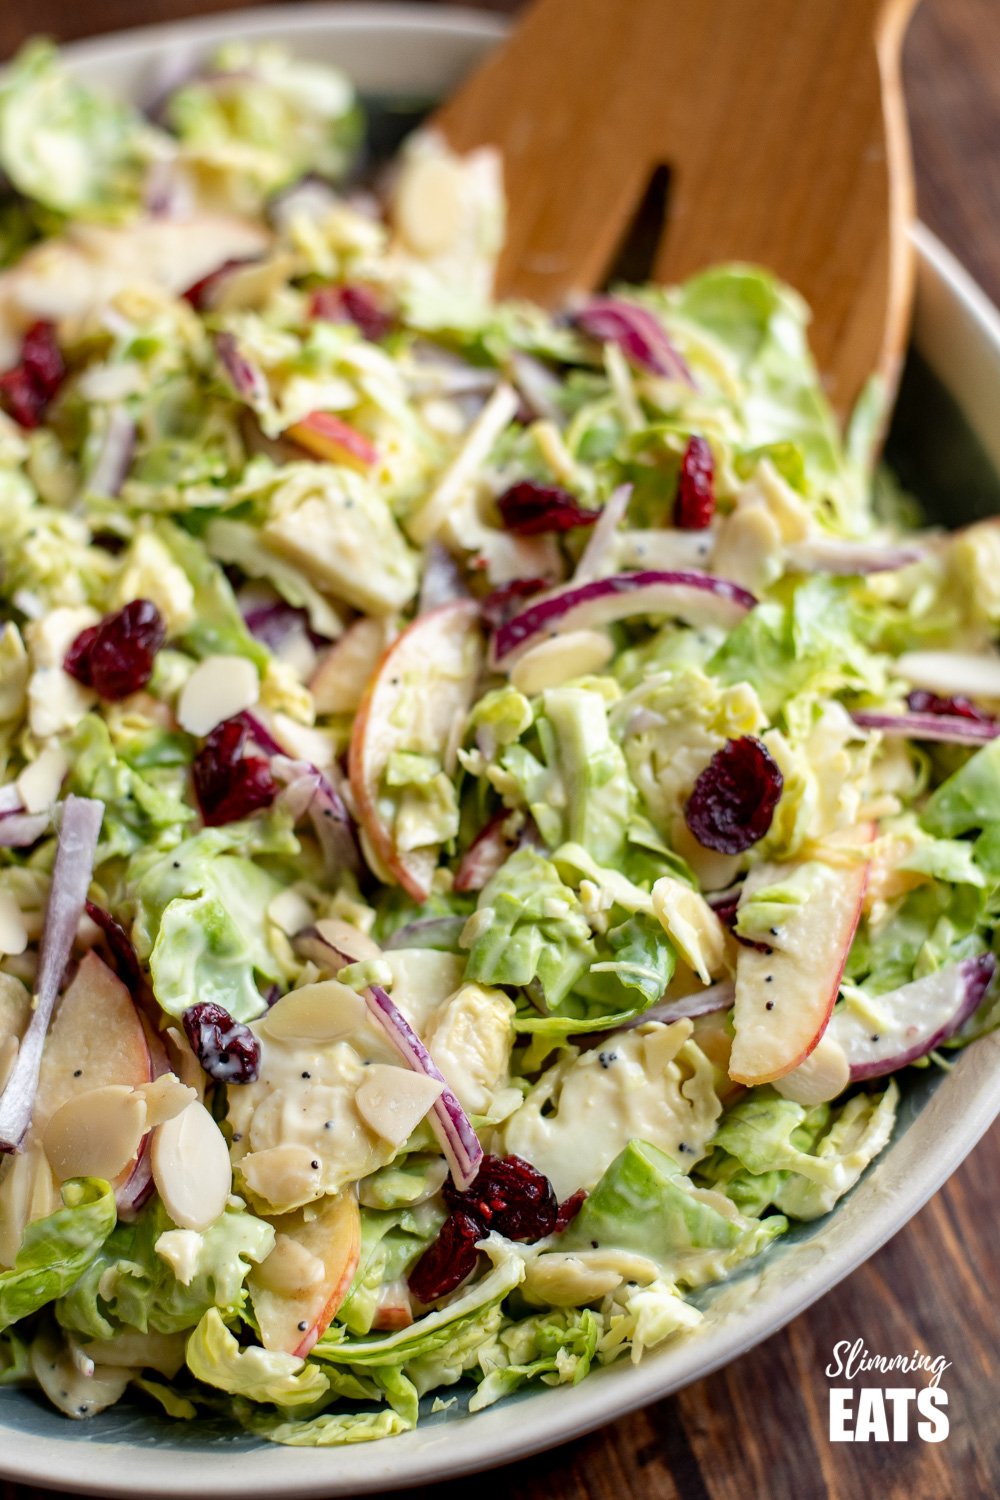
[774,129]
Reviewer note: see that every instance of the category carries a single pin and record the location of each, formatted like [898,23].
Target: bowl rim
[959,330]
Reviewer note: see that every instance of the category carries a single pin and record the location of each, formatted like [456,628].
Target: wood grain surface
[760,1428]
[791,154]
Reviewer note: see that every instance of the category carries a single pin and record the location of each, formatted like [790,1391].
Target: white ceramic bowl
[411,51]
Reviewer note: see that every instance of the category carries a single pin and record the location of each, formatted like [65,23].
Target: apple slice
[784,997]
[947,729]
[899,1027]
[328,437]
[298,1289]
[835,555]
[420,692]
[343,672]
[696,598]
[96,1040]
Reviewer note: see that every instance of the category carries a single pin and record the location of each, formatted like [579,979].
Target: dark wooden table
[760,1428]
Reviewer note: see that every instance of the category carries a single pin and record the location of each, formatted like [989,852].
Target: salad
[491,800]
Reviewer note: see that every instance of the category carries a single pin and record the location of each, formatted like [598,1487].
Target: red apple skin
[334,1236]
[333,439]
[421,642]
[853,880]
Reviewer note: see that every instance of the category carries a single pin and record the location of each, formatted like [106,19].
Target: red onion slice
[832,555]
[308,791]
[948,729]
[19,830]
[440,933]
[640,336]
[451,1124]
[696,598]
[247,380]
[78,834]
[10,799]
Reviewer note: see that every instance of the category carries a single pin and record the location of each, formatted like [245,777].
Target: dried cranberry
[227,783]
[227,1050]
[734,798]
[694,505]
[21,398]
[123,956]
[27,388]
[201,293]
[505,602]
[115,657]
[351,304]
[569,1208]
[448,1260]
[42,357]
[510,1196]
[529,509]
[922,702]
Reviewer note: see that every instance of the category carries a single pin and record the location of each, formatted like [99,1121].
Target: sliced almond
[165,1098]
[320,1012]
[393,1101]
[348,939]
[95,1134]
[39,783]
[561,659]
[218,688]
[191,1168]
[290,1269]
[283,1176]
[13,930]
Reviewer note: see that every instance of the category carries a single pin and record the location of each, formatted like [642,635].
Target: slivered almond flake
[315,1013]
[393,1101]
[166,1097]
[283,1176]
[95,1134]
[559,660]
[348,938]
[191,1168]
[218,688]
